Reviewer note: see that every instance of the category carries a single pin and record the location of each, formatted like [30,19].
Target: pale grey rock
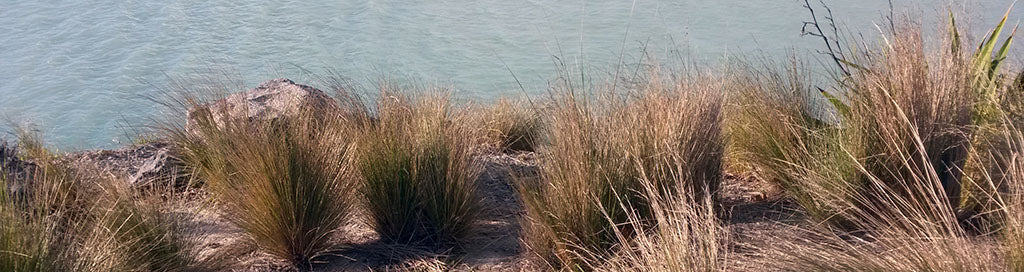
[270,100]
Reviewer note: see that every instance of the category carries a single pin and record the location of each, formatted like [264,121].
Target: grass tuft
[62,219]
[903,131]
[149,232]
[285,182]
[885,163]
[600,152]
[418,170]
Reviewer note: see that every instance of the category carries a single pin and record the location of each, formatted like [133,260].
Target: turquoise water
[79,69]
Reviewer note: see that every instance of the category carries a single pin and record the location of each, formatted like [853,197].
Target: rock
[143,167]
[270,100]
[15,172]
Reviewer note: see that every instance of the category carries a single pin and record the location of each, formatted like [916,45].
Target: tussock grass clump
[601,149]
[37,231]
[60,218]
[285,181]
[31,144]
[915,118]
[885,159]
[902,129]
[419,174]
[920,239]
[512,125]
[777,128]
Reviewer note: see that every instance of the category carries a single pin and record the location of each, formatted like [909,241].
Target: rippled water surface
[78,69]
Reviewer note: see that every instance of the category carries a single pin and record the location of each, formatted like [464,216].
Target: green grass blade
[983,57]
[854,65]
[844,110]
[1001,55]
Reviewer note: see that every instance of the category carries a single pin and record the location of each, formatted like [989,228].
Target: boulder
[147,166]
[268,101]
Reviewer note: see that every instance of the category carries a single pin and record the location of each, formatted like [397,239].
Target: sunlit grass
[70,219]
[286,182]
[603,153]
[418,170]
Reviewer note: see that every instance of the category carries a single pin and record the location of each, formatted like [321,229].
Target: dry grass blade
[1012,200]
[687,236]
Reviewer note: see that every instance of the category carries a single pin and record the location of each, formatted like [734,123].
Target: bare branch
[838,58]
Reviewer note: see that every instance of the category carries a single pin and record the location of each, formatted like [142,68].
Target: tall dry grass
[61,218]
[418,168]
[40,223]
[687,236]
[885,166]
[602,147]
[1014,236]
[1011,176]
[779,129]
[917,240]
[1011,201]
[901,131]
[285,181]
